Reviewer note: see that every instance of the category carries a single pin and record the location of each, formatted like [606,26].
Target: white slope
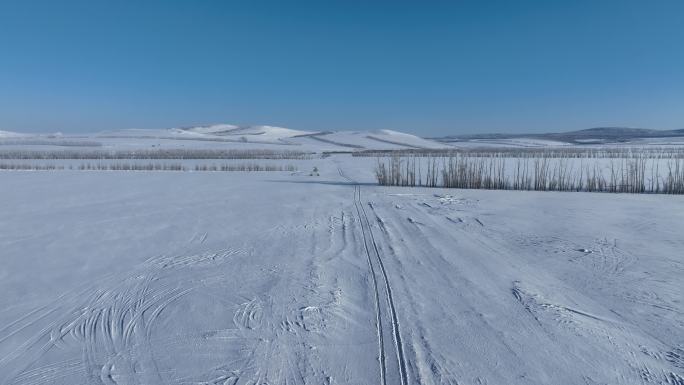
[373,140]
[340,140]
[666,141]
[211,129]
[218,132]
[265,134]
[512,142]
[11,135]
[248,136]
[244,278]
[401,138]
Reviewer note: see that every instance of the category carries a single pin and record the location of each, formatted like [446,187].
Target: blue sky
[426,67]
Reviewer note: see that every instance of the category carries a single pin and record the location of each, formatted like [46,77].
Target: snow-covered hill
[371,140]
[12,135]
[214,129]
[262,132]
[264,135]
[337,140]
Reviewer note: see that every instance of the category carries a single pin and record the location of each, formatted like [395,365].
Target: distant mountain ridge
[590,134]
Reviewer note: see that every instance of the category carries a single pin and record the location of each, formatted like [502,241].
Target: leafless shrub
[30,167]
[398,172]
[148,167]
[245,167]
[655,152]
[132,167]
[674,181]
[542,173]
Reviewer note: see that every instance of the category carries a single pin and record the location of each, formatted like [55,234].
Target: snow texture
[286,278]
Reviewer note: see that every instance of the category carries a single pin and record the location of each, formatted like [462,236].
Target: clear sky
[426,67]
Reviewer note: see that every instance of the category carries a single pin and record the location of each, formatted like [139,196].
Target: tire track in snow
[112,326]
[371,249]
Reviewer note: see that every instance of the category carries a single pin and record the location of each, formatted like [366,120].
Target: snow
[10,134]
[665,141]
[512,142]
[279,277]
[371,140]
[547,143]
[211,129]
[330,141]
[238,137]
[261,134]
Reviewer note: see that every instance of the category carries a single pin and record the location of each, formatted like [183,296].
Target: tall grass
[540,173]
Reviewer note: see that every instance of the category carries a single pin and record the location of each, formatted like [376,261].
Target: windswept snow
[245,137]
[263,134]
[211,129]
[371,140]
[275,278]
[340,140]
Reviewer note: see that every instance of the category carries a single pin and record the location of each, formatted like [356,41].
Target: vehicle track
[374,258]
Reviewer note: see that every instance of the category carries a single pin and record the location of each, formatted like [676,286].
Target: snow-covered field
[287,278]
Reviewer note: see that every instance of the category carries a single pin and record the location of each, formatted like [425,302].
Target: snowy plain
[286,278]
